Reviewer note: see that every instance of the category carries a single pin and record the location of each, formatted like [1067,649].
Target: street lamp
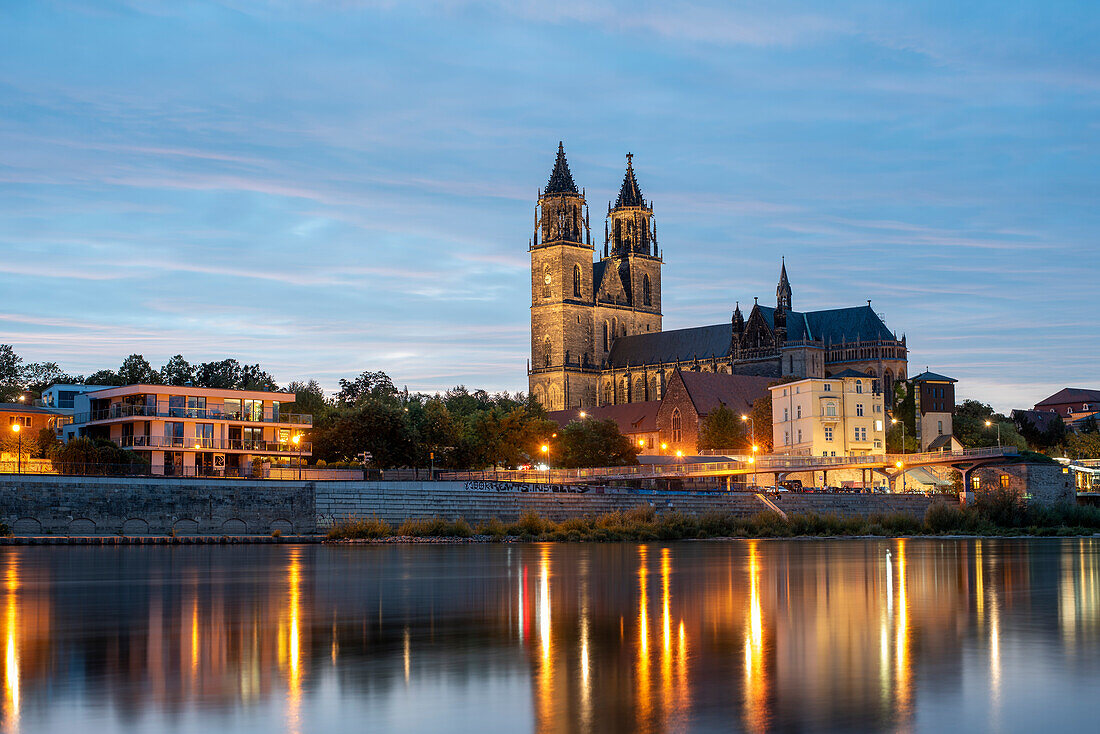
[900,465]
[19,451]
[546,450]
[895,420]
[583,415]
[989,424]
[297,440]
[755,448]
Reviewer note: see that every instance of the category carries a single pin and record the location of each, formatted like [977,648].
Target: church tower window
[605,338]
[677,427]
[547,351]
[577,281]
[647,293]
[546,281]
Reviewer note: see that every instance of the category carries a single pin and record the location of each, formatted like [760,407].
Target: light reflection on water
[886,635]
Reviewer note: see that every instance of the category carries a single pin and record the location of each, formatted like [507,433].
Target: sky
[332,187]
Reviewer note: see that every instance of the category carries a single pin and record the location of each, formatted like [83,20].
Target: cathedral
[596,336]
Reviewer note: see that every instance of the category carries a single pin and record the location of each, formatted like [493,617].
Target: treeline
[457,430]
[17,376]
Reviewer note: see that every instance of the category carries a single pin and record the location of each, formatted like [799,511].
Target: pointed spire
[629,194]
[561,180]
[783,290]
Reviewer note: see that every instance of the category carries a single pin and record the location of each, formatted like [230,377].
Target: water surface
[799,636]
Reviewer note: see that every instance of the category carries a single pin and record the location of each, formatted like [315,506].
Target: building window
[784,392]
[859,409]
[798,411]
[647,294]
[1004,481]
[878,408]
[577,281]
[546,280]
[859,386]
[800,435]
[830,410]
[878,444]
[677,427]
[878,425]
[827,387]
[786,415]
[605,341]
[546,351]
[939,427]
[828,433]
[786,438]
[975,483]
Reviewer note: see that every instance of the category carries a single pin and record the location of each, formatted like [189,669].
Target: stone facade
[1045,484]
[596,325]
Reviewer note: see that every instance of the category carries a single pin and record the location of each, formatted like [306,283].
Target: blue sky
[331,187]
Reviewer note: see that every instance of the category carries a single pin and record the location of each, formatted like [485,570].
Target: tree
[37,376]
[374,426]
[969,426]
[367,386]
[721,429]
[1089,425]
[178,371]
[309,398]
[255,378]
[224,375]
[104,377]
[593,442]
[762,422]
[136,370]
[1082,445]
[11,374]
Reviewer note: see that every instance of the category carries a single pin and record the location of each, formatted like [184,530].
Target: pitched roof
[21,408]
[678,345]
[932,377]
[1040,419]
[630,417]
[703,342]
[561,180]
[629,193]
[708,390]
[941,442]
[850,373]
[1071,395]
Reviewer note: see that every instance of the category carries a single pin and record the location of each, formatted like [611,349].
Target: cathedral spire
[783,290]
[561,180]
[629,194]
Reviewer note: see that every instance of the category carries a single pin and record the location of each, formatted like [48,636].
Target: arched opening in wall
[655,392]
[546,280]
[677,426]
[540,395]
[577,281]
[546,351]
[614,328]
[888,387]
[647,294]
[608,392]
[639,390]
[624,395]
[605,337]
[555,398]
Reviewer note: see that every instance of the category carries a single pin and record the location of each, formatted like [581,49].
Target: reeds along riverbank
[643,523]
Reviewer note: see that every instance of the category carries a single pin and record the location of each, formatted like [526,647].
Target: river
[884,635]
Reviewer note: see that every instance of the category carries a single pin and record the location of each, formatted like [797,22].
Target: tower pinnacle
[561,180]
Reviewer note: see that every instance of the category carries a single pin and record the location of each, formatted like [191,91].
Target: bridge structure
[893,466]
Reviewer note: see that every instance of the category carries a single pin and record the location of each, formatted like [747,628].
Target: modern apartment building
[189,431]
[842,415]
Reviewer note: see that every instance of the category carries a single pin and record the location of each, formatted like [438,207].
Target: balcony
[193,443]
[121,410]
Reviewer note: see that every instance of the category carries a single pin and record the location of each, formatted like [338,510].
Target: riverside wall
[72,506]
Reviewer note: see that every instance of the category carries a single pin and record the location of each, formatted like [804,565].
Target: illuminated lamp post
[895,420]
[901,465]
[989,424]
[546,450]
[19,451]
[298,444]
[755,448]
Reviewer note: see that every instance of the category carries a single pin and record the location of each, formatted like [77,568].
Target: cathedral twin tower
[580,304]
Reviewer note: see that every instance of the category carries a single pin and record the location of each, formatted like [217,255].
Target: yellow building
[842,415]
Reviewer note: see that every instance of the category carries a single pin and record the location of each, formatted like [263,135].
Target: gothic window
[546,351]
[647,295]
[608,393]
[577,281]
[614,328]
[677,427]
[546,279]
[639,390]
[605,340]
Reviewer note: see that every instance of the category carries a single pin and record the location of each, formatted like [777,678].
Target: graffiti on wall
[486,486]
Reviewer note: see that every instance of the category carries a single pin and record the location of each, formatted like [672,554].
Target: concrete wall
[63,505]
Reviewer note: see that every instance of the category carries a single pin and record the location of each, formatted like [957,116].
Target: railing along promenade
[199,442]
[739,466]
[151,411]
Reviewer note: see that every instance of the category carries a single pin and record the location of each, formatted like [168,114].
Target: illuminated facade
[838,416]
[186,431]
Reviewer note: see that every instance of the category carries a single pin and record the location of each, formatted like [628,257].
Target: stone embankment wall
[480,501]
[58,505]
[62,505]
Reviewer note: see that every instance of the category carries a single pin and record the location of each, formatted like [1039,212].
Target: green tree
[255,378]
[11,374]
[722,429]
[37,376]
[309,398]
[225,375]
[104,377]
[762,423]
[178,371]
[1082,445]
[136,370]
[969,426]
[593,442]
[367,386]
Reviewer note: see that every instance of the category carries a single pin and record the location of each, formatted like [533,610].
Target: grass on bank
[992,514]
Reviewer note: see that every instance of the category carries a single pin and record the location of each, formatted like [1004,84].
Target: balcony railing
[121,410]
[194,443]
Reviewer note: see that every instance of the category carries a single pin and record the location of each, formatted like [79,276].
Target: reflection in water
[887,635]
